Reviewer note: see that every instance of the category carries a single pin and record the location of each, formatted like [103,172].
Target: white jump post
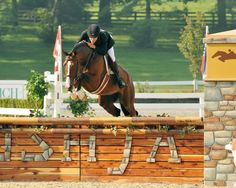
[47,102]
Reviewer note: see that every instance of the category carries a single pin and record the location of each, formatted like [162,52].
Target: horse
[86,68]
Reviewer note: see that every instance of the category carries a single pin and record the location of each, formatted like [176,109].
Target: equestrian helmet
[93,31]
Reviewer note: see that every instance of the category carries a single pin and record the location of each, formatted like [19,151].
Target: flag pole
[205,47]
[60,58]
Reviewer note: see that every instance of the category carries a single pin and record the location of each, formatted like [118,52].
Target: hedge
[18,103]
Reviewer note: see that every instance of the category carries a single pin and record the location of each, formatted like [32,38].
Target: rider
[102,42]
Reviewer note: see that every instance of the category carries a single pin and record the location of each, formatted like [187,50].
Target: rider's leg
[114,67]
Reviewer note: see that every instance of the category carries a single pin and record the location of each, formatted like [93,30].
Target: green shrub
[19,103]
[37,88]
[80,108]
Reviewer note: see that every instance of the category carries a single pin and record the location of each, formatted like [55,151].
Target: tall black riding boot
[114,68]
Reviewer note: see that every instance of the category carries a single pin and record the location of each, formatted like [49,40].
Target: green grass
[22,51]
[153,64]
[19,55]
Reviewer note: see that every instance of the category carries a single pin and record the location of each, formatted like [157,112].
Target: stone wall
[220,129]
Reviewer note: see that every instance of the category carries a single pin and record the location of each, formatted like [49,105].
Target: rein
[91,55]
[78,76]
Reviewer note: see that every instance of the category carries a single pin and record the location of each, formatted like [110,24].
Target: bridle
[78,77]
[69,61]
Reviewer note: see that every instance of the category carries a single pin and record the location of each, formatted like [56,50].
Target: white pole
[205,46]
[45,101]
[60,58]
[58,78]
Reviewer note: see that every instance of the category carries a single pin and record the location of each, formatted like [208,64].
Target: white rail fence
[169,83]
[7,86]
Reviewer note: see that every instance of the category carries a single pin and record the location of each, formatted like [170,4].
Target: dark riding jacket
[103,43]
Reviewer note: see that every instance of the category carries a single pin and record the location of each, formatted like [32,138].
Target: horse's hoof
[81,95]
[73,96]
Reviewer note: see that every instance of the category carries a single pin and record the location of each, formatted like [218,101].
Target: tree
[190,44]
[148,9]
[104,15]
[32,4]
[221,12]
[56,12]
[14,12]
[5,9]
[130,4]
[74,14]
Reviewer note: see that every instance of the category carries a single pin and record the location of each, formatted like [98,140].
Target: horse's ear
[65,53]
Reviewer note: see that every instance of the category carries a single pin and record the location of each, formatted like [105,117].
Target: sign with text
[13,89]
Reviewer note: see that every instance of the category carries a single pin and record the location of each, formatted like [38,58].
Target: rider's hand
[91,45]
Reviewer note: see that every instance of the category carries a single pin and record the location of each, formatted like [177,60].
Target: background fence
[146,103]
[177,19]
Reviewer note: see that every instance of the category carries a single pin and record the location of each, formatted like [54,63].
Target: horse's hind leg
[126,113]
[107,102]
[129,109]
[127,101]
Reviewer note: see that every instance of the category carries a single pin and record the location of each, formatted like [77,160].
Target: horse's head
[70,70]
[73,65]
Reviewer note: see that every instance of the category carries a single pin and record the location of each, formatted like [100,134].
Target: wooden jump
[72,150]
[124,121]
[89,131]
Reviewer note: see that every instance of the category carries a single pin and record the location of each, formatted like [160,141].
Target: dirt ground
[95,185]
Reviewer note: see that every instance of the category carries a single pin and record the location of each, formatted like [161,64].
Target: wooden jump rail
[124,121]
[87,149]
[89,131]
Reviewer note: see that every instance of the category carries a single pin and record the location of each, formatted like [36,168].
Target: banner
[57,50]
[203,66]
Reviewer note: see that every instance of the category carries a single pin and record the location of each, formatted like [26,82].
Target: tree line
[73,11]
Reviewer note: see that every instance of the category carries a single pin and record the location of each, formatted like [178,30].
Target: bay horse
[85,68]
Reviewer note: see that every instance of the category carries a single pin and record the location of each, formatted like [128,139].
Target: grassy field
[22,51]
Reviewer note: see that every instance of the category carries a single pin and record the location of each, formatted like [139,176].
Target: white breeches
[111,53]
